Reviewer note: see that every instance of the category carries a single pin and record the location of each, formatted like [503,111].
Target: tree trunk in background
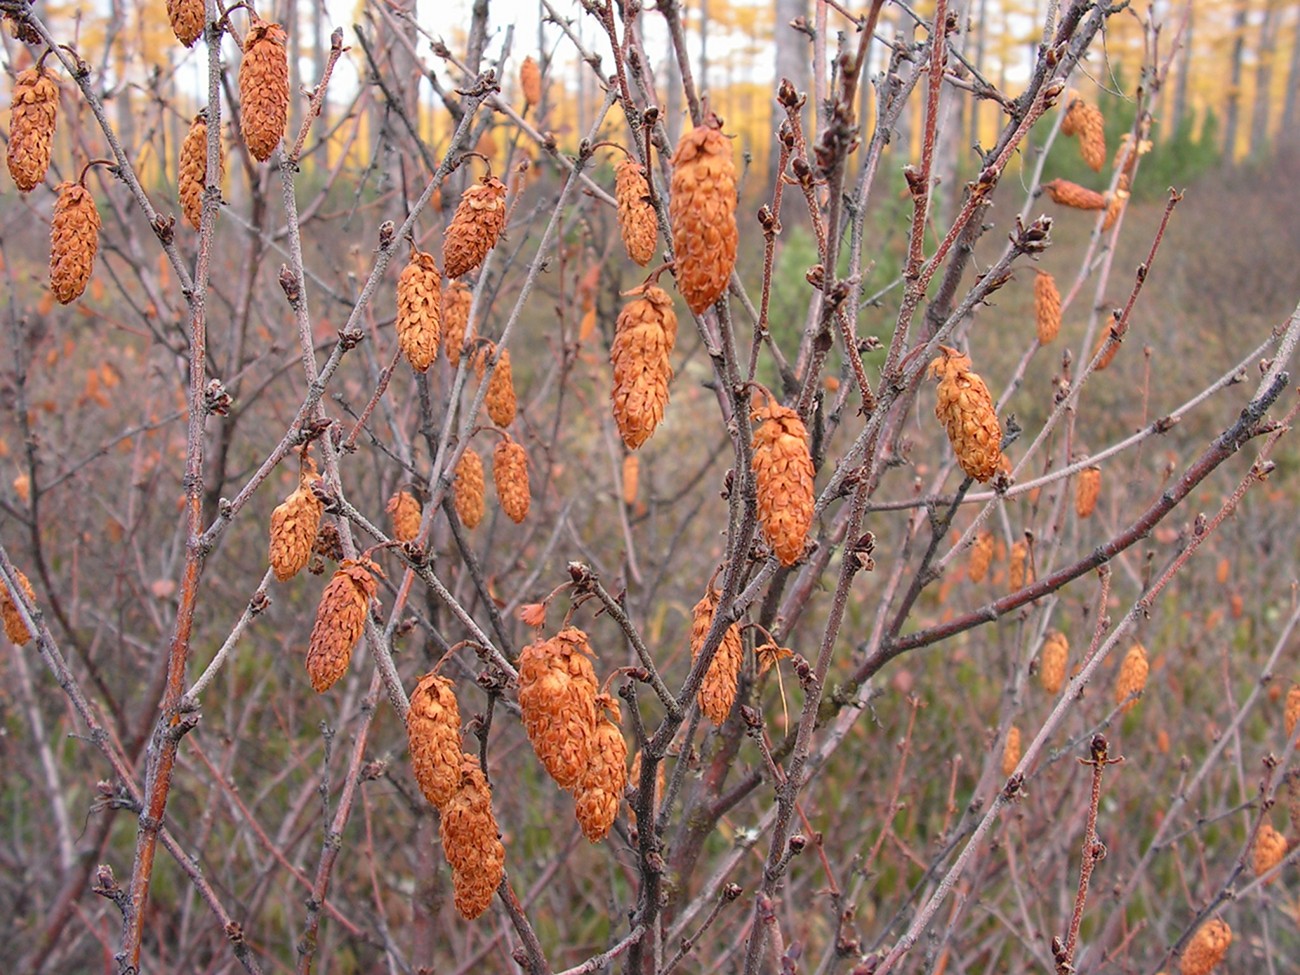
[1184,73]
[1232,106]
[318,49]
[292,20]
[980,34]
[674,99]
[1265,52]
[792,59]
[1286,130]
[125,120]
[905,34]
[702,79]
[948,142]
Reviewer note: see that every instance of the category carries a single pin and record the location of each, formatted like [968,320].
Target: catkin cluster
[193,175]
[636,217]
[433,733]
[1047,308]
[1132,677]
[469,489]
[474,228]
[783,480]
[702,212]
[405,512]
[340,619]
[643,341]
[471,841]
[15,629]
[965,408]
[32,120]
[74,241]
[294,525]
[557,700]
[510,474]
[419,310]
[264,88]
[718,690]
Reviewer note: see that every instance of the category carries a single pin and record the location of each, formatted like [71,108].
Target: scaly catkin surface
[500,399]
[340,620]
[186,18]
[469,489]
[783,475]
[1132,677]
[600,786]
[510,474]
[1047,308]
[419,310]
[264,88]
[15,629]
[433,733]
[702,212]
[457,301]
[294,526]
[405,511]
[1053,661]
[193,169]
[74,242]
[1206,949]
[471,841]
[474,228]
[636,217]
[965,408]
[557,700]
[718,691]
[32,120]
[643,341]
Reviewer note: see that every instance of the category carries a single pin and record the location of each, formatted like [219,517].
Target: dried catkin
[1092,134]
[636,217]
[469,489]
[1086,491]
[474,228]
[557,701]
[530,81]
[510,474]
[1072,195]
[193,176]
[471,841]
[15,629]
[643,341]
[631,478]
[340,618]
[1018,566]
[1070,121]
[31,127]
[1011,751]
[1132,677]
[405,511]
[264,88]
[600,787]
[981,555]
[1053,661]
[702,212]
[965,408]
[433,733]
[458,300]
[74,241]
[419,310]
[1047,308]
[186,18]
[1269,849]
[1107,352]
[500,399]
[718,690]
[1206,949]
[783,480]
[294,525]
[1114,207]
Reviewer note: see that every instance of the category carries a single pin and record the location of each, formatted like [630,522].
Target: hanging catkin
[1270,848]
[31,127]
[718,690]
[500,399]
[433,733]
[1018,566]
[1052,662]
[702,212]
[1011,751]
[557,701]
[636,217]
[457,300]
[469,489]
[263,88]
[186,18]
[1047,308]
[1092,134]
[1086,491]
[340,620]
[74,241]
[783,480]
[15,629]
[981,555]
[965,408]
[1206,949]
[643,341]
[530,81]
[294,525]
[405,511]
[471,841]
[510,474]
[600,786]
[193,175]
[1132,678]
[419,310]
[474,228]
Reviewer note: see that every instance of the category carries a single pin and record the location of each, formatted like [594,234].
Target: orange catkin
[1092,134]
[405,512]
[643,341]
[1047,308]
[474,228]
[1053,661]
[783,476]
[340,618]
[718,691]
[1109,353]
[419,310]
[74,241]
[1072,195]
[1018,574]
[433,733]
[530,81]
[471,841]
[458,300]
[702,212]
[15,629]
[193,175]
[636,217]
[1206,949]
[186,18]
[500,399]
[965,408]
[1086,491]
[557,701]
[469,489]
[510,474]
[1011,751]
[1114,207]
[264,88]
[1268,851]
[294,525]
[981,555]
[1132,677]
[31,127]
[600,786]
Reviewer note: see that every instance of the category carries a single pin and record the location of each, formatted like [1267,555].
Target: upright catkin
[783,480]
[557,701]
[193,175]
[419,310]
[474,228]
[636,217]
[718,690]
[1011,751]
[469,490]
[965,408]
[1268,851]
[600,786]
[186,18]
[1206,949]
[510,474]
[32,120]
[263,88]
[457,301]
[15,629]
[340,619]
[74,241]
[1086,491]
[702,213]
[1068,194]
[294,525]
[981,555]
[643,341]
[530,81]
[1132,677]
[405,512]
[471,841]
[433,733]
[1047,308]
[1053,661]
[500,399]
